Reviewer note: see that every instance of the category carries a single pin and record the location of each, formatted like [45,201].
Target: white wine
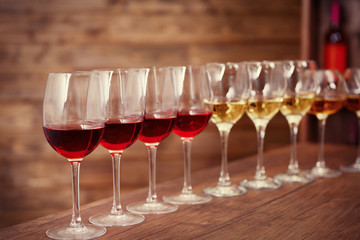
[227,112]
[261,110]
[295,107]
[353,104]
[322,108]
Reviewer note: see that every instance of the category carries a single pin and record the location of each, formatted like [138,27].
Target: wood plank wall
[41,36]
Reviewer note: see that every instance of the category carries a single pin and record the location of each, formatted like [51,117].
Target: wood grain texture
[324,209]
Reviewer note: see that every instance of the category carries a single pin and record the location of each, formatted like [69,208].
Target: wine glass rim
[76,72]
[295,60]
[59,73]
[168,67]
[250,61]
[120,68]
[255,62]
[81,73]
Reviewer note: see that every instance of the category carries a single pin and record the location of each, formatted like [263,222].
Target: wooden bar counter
[324,209]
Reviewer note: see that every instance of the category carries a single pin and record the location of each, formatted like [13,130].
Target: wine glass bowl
[227,99]
[161,108]
[329,99]
[192,118]
[73,122]
[125,116]
[297,100]
[352,103]
[267,89]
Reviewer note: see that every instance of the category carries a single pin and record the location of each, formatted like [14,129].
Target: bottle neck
[335,14]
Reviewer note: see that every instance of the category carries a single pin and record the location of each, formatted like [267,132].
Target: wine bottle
[335,47]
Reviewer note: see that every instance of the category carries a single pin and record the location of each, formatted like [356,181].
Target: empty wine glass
[328,100]
[160,115]
[266,94]
[352,81]
[74,113]
[125,114]
[192,118]
[228,96]
[298,98]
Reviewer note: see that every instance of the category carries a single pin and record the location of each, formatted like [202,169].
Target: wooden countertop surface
[324,209]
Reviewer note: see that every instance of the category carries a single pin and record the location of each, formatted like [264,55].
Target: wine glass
[328,100]
[160,115]
[298,98]
[125,114]
[192,118]
[267,89]
[227,99]
[74,113]
[352,81]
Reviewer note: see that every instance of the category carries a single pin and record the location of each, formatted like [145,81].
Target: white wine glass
[352,81]
[328,100]
[192,118]
[267,89]
[74,114]
[125,116]
[161,108]
[298,98]
[228,96]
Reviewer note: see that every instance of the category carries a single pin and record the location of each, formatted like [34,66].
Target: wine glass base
[151,208]
[187,198]
[256,184]
[354,168]
[324,172]
[85,232]
[301,177]
[112,220]
[225,191]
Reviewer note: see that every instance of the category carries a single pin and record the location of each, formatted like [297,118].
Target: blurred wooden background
[343,126]
[44,36]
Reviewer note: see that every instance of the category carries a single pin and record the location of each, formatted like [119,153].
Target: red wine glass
[125,114]
[229,92]
[74,113]
[160,116]
[192,118]
[352,77]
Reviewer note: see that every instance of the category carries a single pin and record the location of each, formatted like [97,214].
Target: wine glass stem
[321,159]
[224,179]
[187,189]
[76,221]
[116,208]
[293,167]
[260,168]
[358,150]
[152,197]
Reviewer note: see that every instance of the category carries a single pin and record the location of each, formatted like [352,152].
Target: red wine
[188,124]
[73,141]
[118,136]
[156,129]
